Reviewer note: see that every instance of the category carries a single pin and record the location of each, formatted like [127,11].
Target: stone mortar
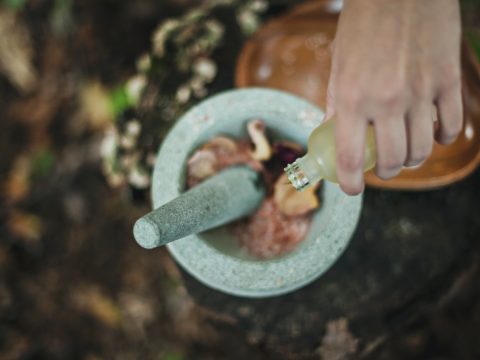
[214,257]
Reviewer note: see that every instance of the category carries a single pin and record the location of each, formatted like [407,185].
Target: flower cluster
[182,68]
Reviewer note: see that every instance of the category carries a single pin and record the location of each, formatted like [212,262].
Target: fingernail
[410,164]
[355,184]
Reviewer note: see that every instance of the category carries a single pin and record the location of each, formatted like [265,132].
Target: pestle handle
[227,196]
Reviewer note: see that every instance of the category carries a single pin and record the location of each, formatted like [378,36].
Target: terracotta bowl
[292,53]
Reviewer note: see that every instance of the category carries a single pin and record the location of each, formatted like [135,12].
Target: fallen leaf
[138,310]
[96,106]
[17,185]
[26,226]
[93,301]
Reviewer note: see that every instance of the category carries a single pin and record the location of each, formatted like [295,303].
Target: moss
[42,164]
[119,100]
[16,5]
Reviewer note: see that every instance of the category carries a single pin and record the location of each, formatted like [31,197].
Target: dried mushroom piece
[217,154]
[256,131]
[202,165]
[207,161]
[292,202]
[222,143]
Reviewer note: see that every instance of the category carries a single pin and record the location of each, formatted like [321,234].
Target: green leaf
[473,38]
[172,356]
[120,100]
[42,164]
[14,4]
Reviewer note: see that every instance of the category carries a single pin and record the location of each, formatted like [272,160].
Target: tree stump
[408,249]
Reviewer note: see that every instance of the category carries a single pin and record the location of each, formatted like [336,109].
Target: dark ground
[74,284]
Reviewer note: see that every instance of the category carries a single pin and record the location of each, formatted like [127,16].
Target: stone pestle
[227,196]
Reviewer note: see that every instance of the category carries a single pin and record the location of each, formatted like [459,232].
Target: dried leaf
[17,185]
[96,106]
[215,155]
[97,304]
[292,202]
[221,143]
[137,310]
[202,164]
[28,227]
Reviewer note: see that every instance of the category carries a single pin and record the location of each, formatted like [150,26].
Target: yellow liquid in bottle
[320,161]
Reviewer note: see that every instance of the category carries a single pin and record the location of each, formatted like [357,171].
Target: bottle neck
[304,172]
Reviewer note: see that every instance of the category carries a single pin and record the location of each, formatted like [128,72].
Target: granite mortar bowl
[214,257]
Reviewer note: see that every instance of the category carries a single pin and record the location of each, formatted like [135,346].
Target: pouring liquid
[320,160]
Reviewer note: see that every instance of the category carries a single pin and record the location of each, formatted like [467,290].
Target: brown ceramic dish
[291,53]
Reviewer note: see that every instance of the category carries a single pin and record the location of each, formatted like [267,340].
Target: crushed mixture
[282,220]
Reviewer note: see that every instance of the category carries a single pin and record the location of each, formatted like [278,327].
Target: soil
[74,284]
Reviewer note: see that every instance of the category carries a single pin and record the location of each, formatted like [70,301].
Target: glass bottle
[320,160]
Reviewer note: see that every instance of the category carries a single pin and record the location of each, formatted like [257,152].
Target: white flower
[108,146]
[138,178]
[183,94]
[127,142]
[215,29]
[135,86]
[133,128]
[160,36]
[144,62]
[205,68]
[248,21]
[198,86]
[150,160]
[258,5]
[115,179]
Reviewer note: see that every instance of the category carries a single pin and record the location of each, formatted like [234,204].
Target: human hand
[393,62]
